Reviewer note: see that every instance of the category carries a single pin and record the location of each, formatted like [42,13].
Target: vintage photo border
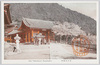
[49,61]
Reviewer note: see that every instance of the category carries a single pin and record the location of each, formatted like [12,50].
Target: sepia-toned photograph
[50,31]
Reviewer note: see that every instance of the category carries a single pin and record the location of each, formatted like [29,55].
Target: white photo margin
[51,61]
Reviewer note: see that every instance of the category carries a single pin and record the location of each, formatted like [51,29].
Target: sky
[89,9]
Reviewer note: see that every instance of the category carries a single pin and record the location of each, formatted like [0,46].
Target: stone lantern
[17,38]
[40,36]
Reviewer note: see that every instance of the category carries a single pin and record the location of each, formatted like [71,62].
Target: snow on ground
[60,51]
[31,52]
[8,49]
[52,51]
[65,51]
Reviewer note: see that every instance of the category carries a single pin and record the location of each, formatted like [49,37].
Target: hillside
[52,12]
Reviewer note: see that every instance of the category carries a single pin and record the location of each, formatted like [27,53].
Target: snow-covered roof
[35,23]
[13,32]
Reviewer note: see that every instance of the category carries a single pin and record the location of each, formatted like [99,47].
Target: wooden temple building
[32,27]
[7,17]
[8,25]
[27,29]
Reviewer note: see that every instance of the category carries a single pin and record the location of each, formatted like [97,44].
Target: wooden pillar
[32,35]
[10,38]
[7,16]
[38,32]
[26,37]
[48,36]
[53,37]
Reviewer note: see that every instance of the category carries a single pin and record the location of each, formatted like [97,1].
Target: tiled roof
[35,23]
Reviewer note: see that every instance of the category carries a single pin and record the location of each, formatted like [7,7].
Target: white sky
[88,9]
